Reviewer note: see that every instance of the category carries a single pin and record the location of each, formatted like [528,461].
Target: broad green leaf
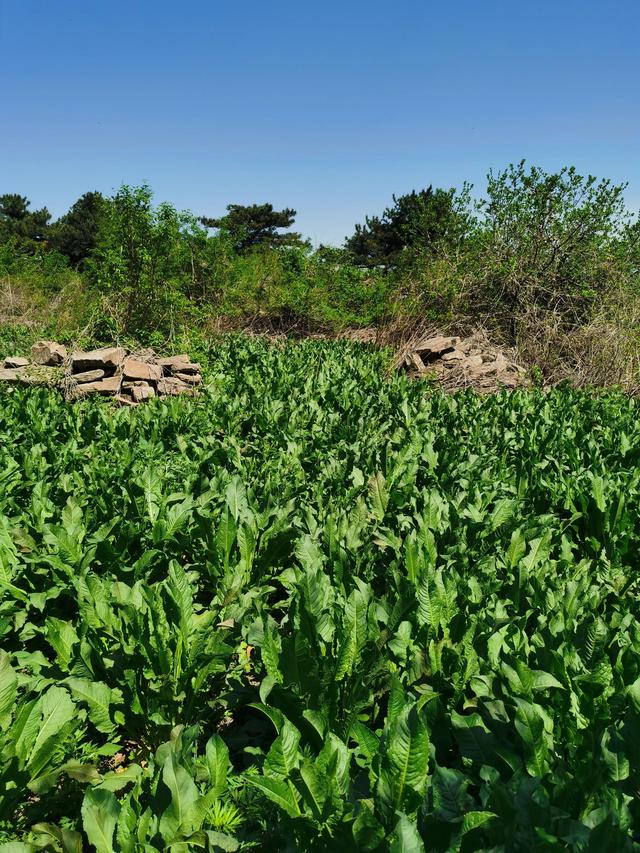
[405,760]
[113,781]
[217,759]
[473,737]
[539,550]
[633,692]
[502,512]
[278,791]
[353,633]
[236,498]
[221,841]
[62,637]
[176,517]
[70,841]
[597,490]
[368,834]
[283,757]
[270,651]
[612,745]
[406,838]
[334,761]
[276,716]
[183,792]
[379,495]
[99,699]
[57,708]
[130,829]
[100,811]
[8,689]
[308,553]
[473,820]
[530,726]
[516,549]
[81,772]
[318,720]
[366,739]
[26,726]
[449,793]
[226,536]
[544,680]
[314,788]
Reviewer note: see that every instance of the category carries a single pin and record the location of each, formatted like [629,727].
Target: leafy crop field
[320,608]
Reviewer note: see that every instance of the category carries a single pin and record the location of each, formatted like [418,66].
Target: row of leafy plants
[319,608]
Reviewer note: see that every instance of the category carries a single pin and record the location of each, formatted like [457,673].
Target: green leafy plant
[319,607]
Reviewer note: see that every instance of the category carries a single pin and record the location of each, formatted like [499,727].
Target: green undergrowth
[319,608]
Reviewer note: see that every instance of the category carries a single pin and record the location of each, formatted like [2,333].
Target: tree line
[76,233]
[536,250]
[416,221]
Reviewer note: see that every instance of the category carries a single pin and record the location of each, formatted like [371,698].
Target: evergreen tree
[416,222]
[256,225]
[75,234]
[17,221]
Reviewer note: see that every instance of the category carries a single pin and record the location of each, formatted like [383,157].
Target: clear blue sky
[325,107]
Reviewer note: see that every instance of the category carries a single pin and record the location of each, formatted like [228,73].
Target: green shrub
[549,240]
[145,261]
[33,264]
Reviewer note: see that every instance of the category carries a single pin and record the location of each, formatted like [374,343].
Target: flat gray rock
[107,358]
[14,361]
[7,375]
[89,376]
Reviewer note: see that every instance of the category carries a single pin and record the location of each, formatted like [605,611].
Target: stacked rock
[462,363]
[109,371]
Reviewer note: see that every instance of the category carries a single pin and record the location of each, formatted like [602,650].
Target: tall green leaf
[100,810]
[8,689]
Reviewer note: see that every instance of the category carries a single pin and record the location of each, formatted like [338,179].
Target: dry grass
[604,352]
[273,325]
[23,305]
[16,306]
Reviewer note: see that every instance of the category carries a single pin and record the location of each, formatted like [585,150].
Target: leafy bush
[75,234]
[255,226]
[32,264]
[145,260]
[549,240]
[17,222]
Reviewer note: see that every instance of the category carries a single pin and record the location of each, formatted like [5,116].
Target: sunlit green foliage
[320,608]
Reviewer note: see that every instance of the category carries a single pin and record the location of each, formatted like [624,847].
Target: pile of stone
[462,363]
[130,378]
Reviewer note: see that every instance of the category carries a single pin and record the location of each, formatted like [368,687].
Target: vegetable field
[320,608]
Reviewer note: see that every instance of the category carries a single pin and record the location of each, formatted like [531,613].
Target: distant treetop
[419,221]
[256,225]
[16,220]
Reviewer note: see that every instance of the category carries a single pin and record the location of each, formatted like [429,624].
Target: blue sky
[326,107]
